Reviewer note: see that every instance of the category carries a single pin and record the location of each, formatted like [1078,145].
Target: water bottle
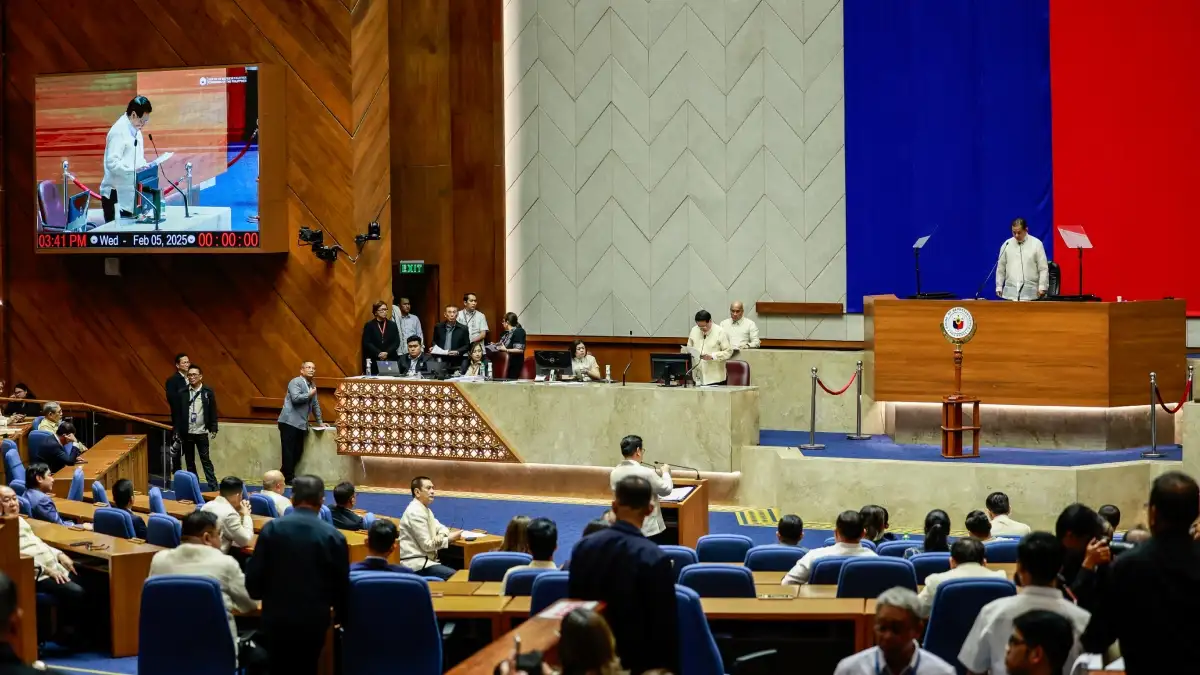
[487,370]
[367,368]
[608,373]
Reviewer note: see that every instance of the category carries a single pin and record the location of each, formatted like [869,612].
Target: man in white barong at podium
[1022,273]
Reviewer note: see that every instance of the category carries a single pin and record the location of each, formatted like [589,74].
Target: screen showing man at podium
[165,159]
[1022,273]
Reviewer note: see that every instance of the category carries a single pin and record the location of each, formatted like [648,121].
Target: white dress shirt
[1003,526]
[421,537]
[967,570]
[198,560]
[871,662]
[660,486]
[986,644]
[800,573]
[534,565]
[281,503]
[743,333]
[45,557]
[475,322]
[236,529]
[715,344]
[124,154]
[1022,268]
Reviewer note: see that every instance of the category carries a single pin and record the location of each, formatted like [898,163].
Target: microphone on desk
[979,291]
[626,371]
[186,213]
[673,466]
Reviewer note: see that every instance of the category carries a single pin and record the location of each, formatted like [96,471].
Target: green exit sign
[412,267]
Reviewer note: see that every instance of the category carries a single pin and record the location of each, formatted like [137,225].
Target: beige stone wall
[784,380]
[248,450]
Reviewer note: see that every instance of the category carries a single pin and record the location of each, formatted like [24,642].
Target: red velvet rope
[841,391]
[1187,393]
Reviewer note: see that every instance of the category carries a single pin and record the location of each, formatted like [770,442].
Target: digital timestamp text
[199,240]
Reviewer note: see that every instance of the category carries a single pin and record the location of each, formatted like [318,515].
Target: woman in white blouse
[583,364]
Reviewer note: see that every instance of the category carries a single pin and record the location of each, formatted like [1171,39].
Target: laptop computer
[389,368]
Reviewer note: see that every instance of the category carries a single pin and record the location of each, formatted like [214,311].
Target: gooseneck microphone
[979,291]
[1021,253]
[186,213]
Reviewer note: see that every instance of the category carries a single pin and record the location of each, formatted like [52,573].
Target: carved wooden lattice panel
[431,420]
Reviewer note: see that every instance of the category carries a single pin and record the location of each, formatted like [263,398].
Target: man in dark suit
[625,570]
[300,570]
[380,338]
[344,517]
[414,362]
[58,450]
[196,423]
[451,336]
[176,383]
[381,542]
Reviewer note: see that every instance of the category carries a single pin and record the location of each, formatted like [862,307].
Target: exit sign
[412,267]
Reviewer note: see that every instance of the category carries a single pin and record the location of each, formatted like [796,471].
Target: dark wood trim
[767,343]
[799,308]
[266,403]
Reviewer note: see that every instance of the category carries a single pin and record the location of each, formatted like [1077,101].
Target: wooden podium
[952,416]
[691,513]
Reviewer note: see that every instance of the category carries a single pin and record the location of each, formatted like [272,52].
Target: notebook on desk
[678,494]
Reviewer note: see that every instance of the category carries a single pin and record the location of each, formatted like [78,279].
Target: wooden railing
[79,405]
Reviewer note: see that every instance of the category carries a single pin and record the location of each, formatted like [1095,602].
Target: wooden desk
[768,577]
[794,609]
[484,544]
[19,568]
[79,512]
[128,565]
[454,588]
[489,607]
[19,434]
[692,512]
[113,458]
[355,541]
[536,634]
[177,509]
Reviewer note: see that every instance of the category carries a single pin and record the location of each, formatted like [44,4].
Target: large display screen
[148,160]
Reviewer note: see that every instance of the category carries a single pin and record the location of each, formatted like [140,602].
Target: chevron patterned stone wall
[672,155]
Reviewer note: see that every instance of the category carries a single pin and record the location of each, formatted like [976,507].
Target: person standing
[300,570]
[197,423]
[452,336]
[634,578]
[711,343]
[474,320]
[300,402]
[1022,272]
[653,526]
[512,340]
[124,156]
[407,323]
[176,383]
[742,332]
[380,338]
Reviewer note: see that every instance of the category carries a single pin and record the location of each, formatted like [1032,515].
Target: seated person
[583,364]
[542,535]
[474,366]
[790,530]
[59,450]
[875,524]
[1111,514]
[273,487]
[421,535]
[980,526]
[966,561]
[381,542]
[344,517]
[937,535]
[847,534]
[999,510]
[414,363]
[515,538]
[51,417]
[898,627]
[1138,534]
[199,555]
[19,411]
[233,515]
[39,486]
[123,499]
[1041,642]
[52,570]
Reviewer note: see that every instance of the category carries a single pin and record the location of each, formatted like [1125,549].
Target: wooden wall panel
[70,332]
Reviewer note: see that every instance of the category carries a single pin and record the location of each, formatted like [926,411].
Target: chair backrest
[23,505]
[187,487]
[726,548]
[76,491]
[13,468]
[37,421]
[499,362]
[372,620]
[156,501]
[681,557]
[955,607]
[698,652]
[326,514]
[520,582]
[773,558]
[528,369]
[261,505]
[868,576]
[193,606]
[99,494]
[163,530]
[1003,551]
[929,563]
[113,522]
[18,486]
[38,440]
[52,211]
[719,581]
[895,549]
[1053,278]
[548,589]
[491,566]
[825,571]
[867,543]
[737,373]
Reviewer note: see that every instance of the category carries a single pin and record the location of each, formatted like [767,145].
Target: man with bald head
[273,487]
[742,332]
[301,402]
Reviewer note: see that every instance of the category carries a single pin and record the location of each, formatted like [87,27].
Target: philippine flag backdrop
[963,116]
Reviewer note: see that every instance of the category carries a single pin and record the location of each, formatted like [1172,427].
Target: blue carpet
[882,447]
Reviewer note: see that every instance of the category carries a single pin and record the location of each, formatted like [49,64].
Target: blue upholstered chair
[113,522]
[156,501]
[37,421]
[773,558]
[830,541]
[825,571]
[23,505]
[548,589]
[187,488]
[76,491]
[520,582]
[867,577]
[163,530]
[681,557]
[896,549]
[99,494]
[955,607]
[37,439]
[18,486]
[262,505]
[698,652]
[719,581]
[1003,551]
[492,565]
[372,620]
[929,563]
[326,514]
[174,605]
[13,468]
[723,548]
[368,519]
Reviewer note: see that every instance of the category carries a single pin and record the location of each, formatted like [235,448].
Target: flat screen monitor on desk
[546,360]
[664,365]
